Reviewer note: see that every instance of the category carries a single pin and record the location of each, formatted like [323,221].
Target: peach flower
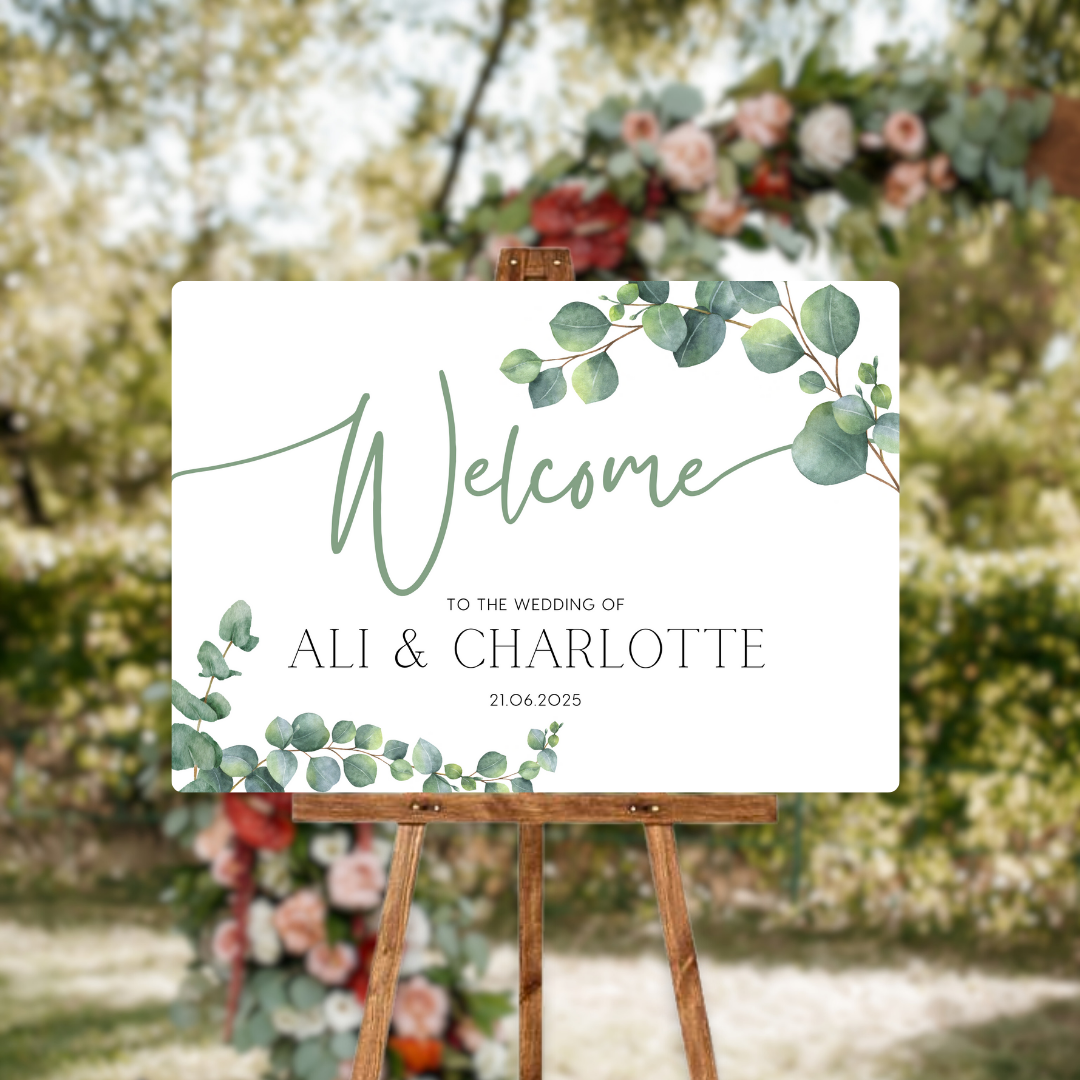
[226,944]
[764,119]
[905,185]
[495,244]
[227,868]
[356,881]
[688,157]
[904,134]
[331,964]
[722,216]
[214,838]
[301,921]
[639,125]
[940,172]
[421,1009]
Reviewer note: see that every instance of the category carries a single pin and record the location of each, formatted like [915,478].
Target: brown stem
[874,476]
[599,348]
[881,457]
[790,310]
[509,13]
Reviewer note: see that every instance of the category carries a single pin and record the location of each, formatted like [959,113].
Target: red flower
[419,1055]
[770,183]
[262,821]
[596,232]
[655,195]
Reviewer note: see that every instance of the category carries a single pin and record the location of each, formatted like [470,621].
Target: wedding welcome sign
[469,537]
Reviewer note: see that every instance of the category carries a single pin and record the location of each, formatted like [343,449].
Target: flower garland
[285,918]
[653,189]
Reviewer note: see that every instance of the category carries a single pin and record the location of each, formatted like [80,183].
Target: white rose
[342,1011]
[491,1060]
[299,1023]
[326,847]
[650,243]
[263,941]
[273,874]
[417,939]
[827,138]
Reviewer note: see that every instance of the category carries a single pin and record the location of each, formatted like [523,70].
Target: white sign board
[655,566]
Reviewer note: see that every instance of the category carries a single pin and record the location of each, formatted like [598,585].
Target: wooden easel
[658,814]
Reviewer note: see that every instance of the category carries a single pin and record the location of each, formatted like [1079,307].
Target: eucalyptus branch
[790,310]
[599,348]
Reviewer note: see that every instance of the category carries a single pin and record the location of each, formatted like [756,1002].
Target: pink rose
[213,838]
[764,119]
[640,126]
[688,157]
[331,964]
[225,946]
[722,216]
[941,173]
[495,244]
[227,868]
[905,184]
[301,921]
[356,881]
[904,134]
[421,1009]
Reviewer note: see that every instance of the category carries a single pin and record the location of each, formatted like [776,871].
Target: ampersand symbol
[409,636]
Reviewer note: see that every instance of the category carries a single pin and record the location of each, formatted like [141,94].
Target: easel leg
[530,949]
[679,939]
[387,960]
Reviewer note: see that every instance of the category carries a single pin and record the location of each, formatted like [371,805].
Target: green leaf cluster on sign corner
[348,749]
[836,439]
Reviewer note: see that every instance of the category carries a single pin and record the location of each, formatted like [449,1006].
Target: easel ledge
[540,809]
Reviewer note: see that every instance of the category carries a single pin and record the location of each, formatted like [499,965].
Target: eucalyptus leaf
[492,787]
[209,782]
[344,731]
[852,414]
[235,626]
[547,759]
[536,739]
[400,769]
[281,765]
[653,292]
[887,432]
[811,382]
[426,757]
[436,785]
[468,783]
[521,366]
[220,704]
[309,732]
[190,706]
[306,992]
[553,740]
[678,101]
[239,760]
[881,396]
[453,771]
[756,297]
[718,298]
[278,732]
[704,336]
[193,749]
[830,319]
[395,749]
[261,780]
[519,783]
[361,770]
[664,326]
[492,764]
[529,769]
[548,388]
[579,326]
[616,312]
[771,347]
[627,293]
[595,379]
[323,773]
[369,737]
[213,662]
[824,453]
[867,374]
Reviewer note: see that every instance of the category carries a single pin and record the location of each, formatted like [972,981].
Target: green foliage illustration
[838,436]
[352,750]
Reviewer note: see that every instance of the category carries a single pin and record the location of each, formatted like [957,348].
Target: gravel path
[605,1018]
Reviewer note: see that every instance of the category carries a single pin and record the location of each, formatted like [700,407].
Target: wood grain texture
[538,808]
[382,989]
[530,950]
[534,264]
[1057,154]
[679,939]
